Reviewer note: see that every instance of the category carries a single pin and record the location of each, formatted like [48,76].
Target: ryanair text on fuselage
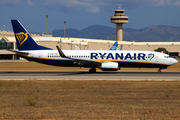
[121,56]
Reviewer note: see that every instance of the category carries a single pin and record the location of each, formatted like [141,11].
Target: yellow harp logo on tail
[21,37]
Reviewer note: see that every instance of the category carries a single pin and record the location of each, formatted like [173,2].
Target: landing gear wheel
[92,70]
[159,71]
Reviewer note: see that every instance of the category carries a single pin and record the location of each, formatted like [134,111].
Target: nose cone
[173,61]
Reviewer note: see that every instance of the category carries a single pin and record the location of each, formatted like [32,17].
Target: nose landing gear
[159,71]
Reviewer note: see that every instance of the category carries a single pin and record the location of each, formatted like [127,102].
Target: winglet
[61,52]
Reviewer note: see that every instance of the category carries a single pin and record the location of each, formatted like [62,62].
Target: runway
[83,75]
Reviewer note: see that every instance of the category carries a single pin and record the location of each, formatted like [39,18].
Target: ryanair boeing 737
[106,60]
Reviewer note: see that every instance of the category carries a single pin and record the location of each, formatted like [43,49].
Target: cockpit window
[166,57]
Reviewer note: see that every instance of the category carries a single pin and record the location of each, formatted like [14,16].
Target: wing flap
[88,62]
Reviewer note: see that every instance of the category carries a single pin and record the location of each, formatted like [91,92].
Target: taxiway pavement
[83,75]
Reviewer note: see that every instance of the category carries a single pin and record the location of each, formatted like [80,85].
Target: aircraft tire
[159,71]
[92,70]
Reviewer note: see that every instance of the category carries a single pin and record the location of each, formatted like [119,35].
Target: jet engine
[109,66]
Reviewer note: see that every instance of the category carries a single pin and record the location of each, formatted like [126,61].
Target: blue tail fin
[114,47]
[24,40]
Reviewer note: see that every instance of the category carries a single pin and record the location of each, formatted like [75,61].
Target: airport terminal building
[8,42]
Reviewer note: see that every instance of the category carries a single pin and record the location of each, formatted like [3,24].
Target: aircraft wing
[78,60]
[19,52]
[87,62]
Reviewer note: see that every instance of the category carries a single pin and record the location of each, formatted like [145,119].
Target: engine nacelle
[109,66]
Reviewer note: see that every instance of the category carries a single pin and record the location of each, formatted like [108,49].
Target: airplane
[106,60]
[114,46]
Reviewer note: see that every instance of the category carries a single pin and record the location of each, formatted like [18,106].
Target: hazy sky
[80,14]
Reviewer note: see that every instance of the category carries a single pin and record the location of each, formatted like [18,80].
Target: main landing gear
[92,70]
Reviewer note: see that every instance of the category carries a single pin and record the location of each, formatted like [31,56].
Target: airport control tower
[119,19]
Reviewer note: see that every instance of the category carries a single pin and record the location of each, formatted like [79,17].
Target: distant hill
[92,32]
[149,34]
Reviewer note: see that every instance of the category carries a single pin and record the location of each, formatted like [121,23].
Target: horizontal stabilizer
[18,52]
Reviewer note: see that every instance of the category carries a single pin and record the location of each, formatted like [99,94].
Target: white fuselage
[123,58]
